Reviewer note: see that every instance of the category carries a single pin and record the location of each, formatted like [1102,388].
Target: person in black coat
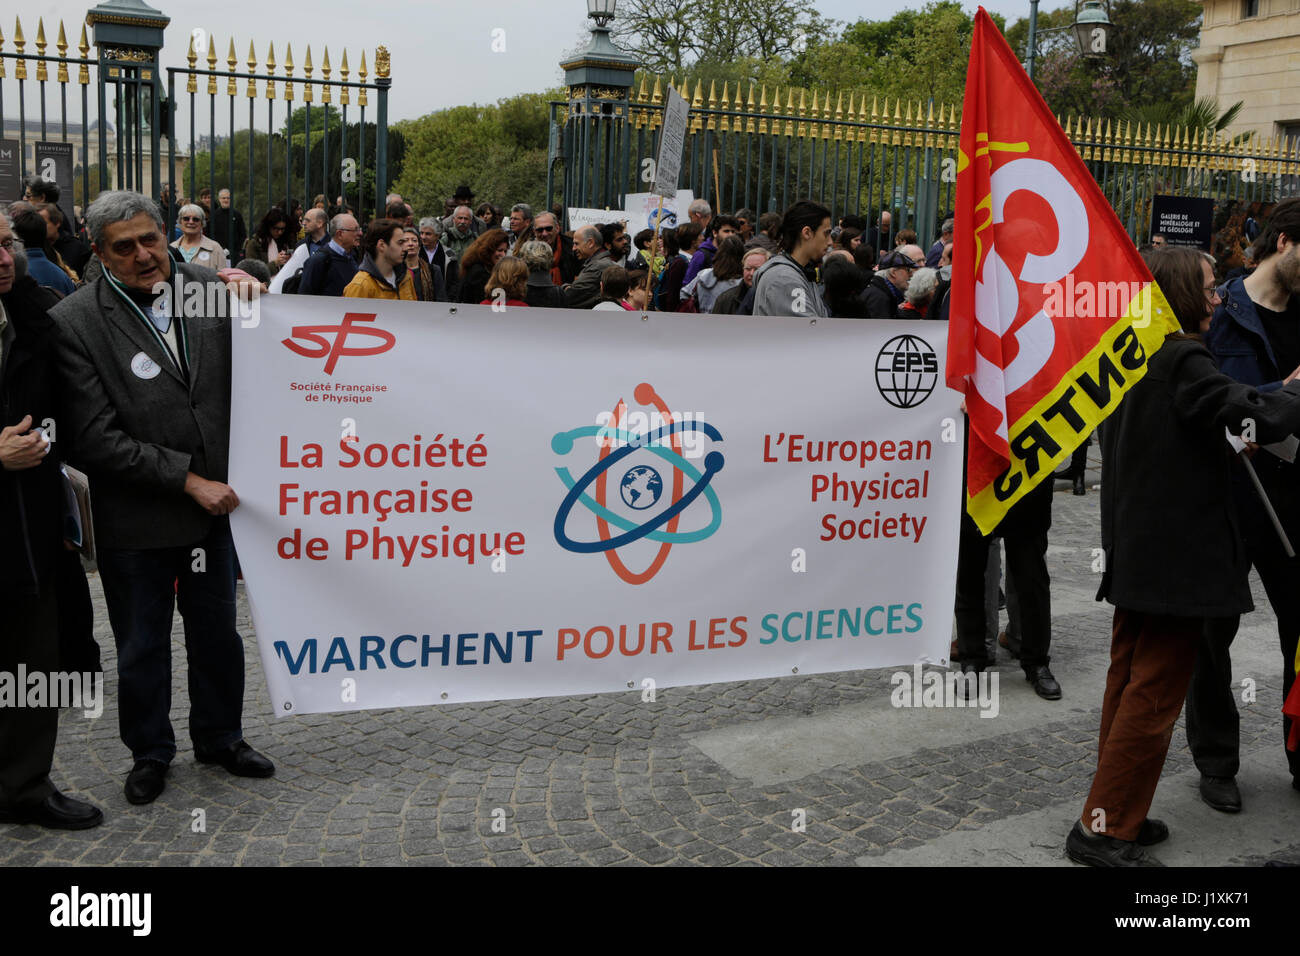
[1173,556]
[542,292]
[33,560]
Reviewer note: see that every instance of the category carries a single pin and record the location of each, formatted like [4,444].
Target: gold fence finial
[381,62]
[232,61]
[713,94]
[251,91]
[361,75]
[344,93]
[325,74]
[270,70]
[657,95]
[42,74]
[20,68]
[288,74]
[61,44]
[83,46]
[306,69]
[191,57]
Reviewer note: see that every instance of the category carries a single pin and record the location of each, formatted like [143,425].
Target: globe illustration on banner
[641,487]
[907,371]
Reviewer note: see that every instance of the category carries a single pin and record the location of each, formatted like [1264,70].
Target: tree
[1148,62]
[670,35]
[499,150]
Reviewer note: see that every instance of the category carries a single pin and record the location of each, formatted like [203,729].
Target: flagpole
[1268,506]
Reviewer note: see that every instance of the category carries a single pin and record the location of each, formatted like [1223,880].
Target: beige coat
[210,254]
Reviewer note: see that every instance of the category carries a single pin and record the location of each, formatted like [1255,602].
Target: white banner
[442,504]
[579,217]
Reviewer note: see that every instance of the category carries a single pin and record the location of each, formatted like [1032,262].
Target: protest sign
[441,504]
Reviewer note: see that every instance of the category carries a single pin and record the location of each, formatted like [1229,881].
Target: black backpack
[291,284]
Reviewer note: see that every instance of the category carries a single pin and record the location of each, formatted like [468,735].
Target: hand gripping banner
[1053,313]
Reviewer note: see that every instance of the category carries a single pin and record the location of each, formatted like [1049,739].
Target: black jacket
[326,273]
[472,282]
[880,299]
[542,293]
[218,228]
[1168,523]
[32,503]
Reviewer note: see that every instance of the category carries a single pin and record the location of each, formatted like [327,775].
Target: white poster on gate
[441,504]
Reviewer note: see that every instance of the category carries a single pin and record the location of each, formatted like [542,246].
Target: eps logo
[907,371]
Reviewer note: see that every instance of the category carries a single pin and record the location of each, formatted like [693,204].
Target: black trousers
[1212,720]
[1024,534]
[30,636]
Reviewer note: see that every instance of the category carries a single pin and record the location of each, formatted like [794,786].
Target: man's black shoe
[239,758]
[57,812]
[1080,487]
[1097,849]
[1045,685]
[1221,793]
[1152,832]
[146,781]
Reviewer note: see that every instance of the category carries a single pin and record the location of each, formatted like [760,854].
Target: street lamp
[1091,29]
[602,11]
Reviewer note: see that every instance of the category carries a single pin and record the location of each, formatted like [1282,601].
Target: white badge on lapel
[204,255]
[144,367]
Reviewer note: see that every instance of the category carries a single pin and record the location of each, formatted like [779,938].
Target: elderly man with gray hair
[918,297]
[936,251]
[589,246]
[147,418]
[460,229]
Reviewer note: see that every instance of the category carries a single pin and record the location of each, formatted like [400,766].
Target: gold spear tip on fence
[288,59]
[362,71]
[231,59]
[252,58]
[306,63]
[270,57]
[18,34]
[83,45]
[343,70]
[40,35]
[325,64]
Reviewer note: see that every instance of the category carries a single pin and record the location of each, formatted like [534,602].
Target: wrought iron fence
[751,148]
[112,138]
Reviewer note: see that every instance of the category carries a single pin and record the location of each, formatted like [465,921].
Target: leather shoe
[57,812]
[1080,488]
[1045,685]
[1097,849]
[146,781]
[1221,793]
[1152,832]
[239,758]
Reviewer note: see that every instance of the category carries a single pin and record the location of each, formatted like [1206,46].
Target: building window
[1249,8]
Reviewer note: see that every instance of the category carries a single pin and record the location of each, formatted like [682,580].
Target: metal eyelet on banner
[812,321]
[645,316]
[452,310]
[794,670]
[288,705]
[444,695]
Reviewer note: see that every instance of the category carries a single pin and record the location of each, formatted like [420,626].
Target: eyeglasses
[190,219]
[1211,290]
[543,229]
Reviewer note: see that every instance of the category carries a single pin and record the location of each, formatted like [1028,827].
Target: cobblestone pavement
[715,774]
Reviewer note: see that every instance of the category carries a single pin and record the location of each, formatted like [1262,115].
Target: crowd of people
[81,328]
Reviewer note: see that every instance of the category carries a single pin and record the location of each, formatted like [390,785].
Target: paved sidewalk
[718,774]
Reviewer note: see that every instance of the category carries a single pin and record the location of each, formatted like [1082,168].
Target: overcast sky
[441,49]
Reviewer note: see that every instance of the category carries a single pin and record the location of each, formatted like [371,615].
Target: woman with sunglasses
[193,245]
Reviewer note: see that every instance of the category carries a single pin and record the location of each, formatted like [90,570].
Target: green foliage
[1148,65]
[668,36]
[499,150]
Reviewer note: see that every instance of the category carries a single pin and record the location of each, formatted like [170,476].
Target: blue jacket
[1238,341]
[48,274]
[326,273]
[1241,348]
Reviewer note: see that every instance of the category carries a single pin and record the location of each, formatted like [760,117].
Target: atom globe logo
[907,371]
[640,486]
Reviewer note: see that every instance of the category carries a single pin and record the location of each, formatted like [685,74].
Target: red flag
[1053,313]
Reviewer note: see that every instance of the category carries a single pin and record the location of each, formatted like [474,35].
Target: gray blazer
[137,431]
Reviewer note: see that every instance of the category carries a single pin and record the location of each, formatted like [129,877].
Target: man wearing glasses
[883,295]
[329,269]
[564,261]
[147,418]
